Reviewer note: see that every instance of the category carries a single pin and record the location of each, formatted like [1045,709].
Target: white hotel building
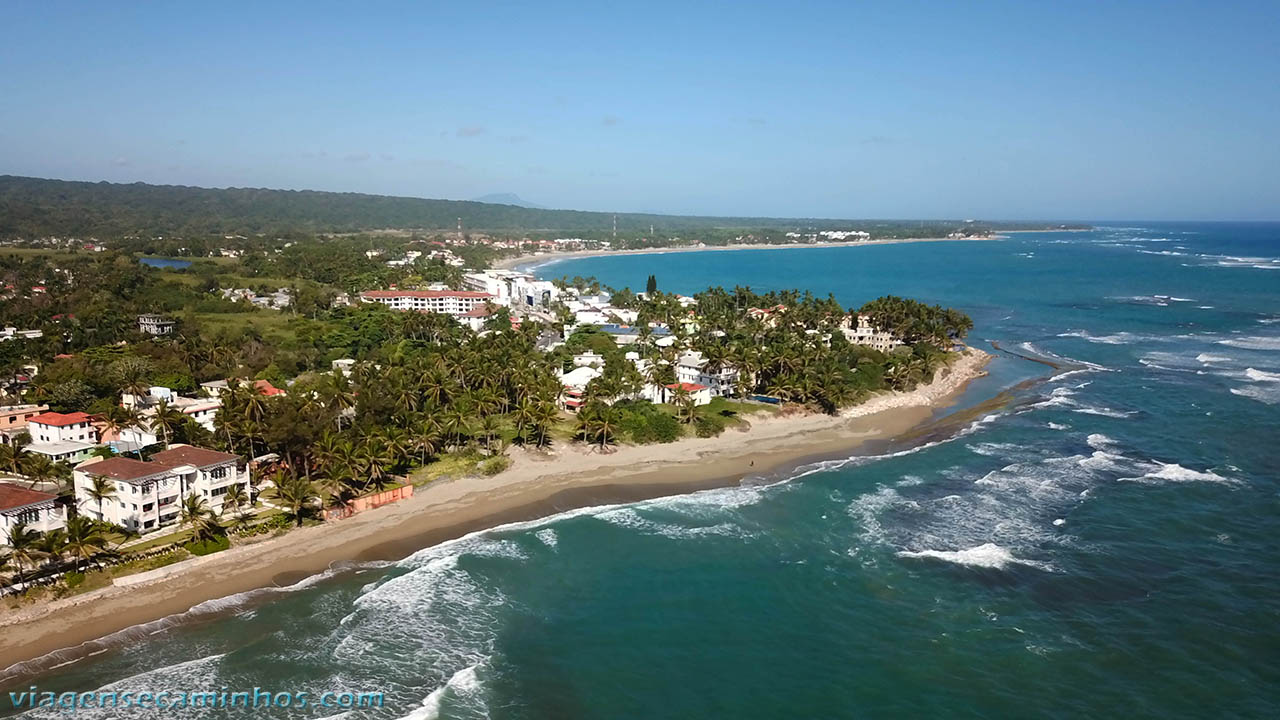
[448,302]
[33,509]
[148,495]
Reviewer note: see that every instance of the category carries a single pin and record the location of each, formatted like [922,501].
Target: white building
[155,324]
[692,368]
[148,495]
[575,386]
[36,510]
[449,302]
[62,437]
[13,333]
[700,394]
[588,359]
[864,333]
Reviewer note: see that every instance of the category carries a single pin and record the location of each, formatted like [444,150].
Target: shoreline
[535,486]
[527,261]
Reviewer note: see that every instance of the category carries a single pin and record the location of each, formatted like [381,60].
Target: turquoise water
[1104,546]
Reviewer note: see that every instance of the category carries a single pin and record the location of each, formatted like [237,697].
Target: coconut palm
[51,545]
[100,489]
[166,420]
[83,539]
[196,513]
[39,469]
[235,499]
[295,495]
[24,550]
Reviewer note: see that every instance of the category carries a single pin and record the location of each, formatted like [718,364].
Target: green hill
[33,207]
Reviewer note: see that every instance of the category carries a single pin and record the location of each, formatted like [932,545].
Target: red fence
[368,502]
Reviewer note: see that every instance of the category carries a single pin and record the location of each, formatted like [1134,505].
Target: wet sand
[537,485]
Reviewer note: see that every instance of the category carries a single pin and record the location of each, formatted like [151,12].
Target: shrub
[494,465]
[208,547]
[74,579]
[708,426]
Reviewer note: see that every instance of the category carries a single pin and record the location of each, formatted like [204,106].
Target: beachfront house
[148,495]
[862,332]
[36,510]
[14,418]
[573,396]
[692,368]
[700,394]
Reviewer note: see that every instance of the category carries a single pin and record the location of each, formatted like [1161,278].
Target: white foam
[1261,375]
[987,555]
[465,683]
[1255,342]
[1173,472]
[1098,441]
[547,536]
[1210,358]
[1265,394]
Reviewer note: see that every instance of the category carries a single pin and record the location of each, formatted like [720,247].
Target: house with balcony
[692,368]
[36,510]
[148,495]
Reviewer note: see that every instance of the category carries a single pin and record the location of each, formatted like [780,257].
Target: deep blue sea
[1105,545]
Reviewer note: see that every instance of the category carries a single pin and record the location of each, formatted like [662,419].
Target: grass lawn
[453,465]
[270,324]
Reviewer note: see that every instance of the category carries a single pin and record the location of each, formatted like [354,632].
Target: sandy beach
[537,485]
[534,260]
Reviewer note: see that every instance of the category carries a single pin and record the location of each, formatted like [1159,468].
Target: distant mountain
[507,199]
[35,207]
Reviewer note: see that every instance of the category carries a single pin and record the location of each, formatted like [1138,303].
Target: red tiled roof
[13,497]
[266,388]
[691,387]
[424,294]
[191,455]
[123,468]
[60,419]
[477,311]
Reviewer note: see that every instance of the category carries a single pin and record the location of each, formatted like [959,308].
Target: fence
[369,502]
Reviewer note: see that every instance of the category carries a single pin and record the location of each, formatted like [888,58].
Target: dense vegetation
[33,208]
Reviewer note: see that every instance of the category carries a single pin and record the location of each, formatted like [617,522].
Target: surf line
[1042,361]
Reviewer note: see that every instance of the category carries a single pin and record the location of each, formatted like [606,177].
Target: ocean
[1105,544]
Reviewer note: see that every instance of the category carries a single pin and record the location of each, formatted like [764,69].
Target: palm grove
[424,387]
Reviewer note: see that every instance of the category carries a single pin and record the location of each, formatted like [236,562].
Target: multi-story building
[692,368]
[14,418]
[155,324]
[62,437]
[864,333]
[148,495]
[449,302]
[36,510]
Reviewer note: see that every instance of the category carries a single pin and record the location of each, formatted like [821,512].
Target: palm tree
[83,540]
[235,498]
[195,511]
[374,461]
[294,494]
[100,488]
[167,419]
[39,469]
[24,549]
[51,545]
[545,415]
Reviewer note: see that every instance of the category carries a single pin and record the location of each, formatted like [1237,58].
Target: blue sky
[1082,110]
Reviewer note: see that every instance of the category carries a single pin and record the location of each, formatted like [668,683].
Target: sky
[993,110]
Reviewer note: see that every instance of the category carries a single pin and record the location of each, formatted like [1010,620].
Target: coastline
[535,486]
[527,261]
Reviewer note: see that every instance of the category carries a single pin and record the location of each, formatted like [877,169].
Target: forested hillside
[33,208]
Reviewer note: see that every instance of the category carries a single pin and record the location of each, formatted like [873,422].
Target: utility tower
[615,227]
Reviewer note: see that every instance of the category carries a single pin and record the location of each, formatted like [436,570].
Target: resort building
[36,510]
[155,324]
[148,495]
[864,333]
[13,333]
[62,437]
[448,302]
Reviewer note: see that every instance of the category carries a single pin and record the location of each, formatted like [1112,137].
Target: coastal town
[118,488]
